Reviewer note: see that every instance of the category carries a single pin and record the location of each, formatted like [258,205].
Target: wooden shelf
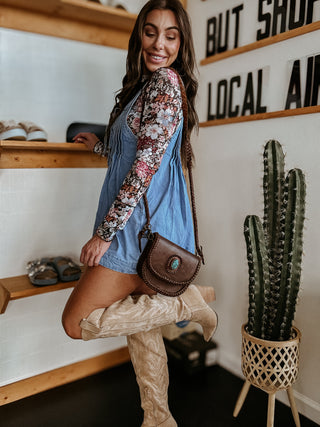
[35,154]
[80,20]
[12,288]
[64,375]
[262,116]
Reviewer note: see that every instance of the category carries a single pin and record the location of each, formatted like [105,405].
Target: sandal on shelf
[67,269]
[41,272]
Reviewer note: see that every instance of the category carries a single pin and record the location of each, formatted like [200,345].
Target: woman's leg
[98,287]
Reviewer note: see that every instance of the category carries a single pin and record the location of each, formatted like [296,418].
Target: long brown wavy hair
[184,64]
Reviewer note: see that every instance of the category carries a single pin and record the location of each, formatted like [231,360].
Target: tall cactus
[274,250]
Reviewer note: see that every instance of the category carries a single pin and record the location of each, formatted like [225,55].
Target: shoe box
[191,352]
[174,330]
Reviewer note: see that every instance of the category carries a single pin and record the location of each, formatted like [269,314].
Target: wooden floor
[111,399]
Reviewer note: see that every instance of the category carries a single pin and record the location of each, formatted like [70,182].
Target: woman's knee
[71,326]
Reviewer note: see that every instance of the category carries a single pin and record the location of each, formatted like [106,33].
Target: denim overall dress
[167,197]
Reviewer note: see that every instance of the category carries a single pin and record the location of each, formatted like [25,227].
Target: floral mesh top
[162,113]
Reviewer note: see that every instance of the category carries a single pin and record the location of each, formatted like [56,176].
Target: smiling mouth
[156,57]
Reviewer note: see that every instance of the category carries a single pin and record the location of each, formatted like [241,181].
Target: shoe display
[9,129]
[48,271]
[67,269]
[33,131]
[22,131]
[41,272]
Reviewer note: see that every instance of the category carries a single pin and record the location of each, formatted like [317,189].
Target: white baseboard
[306,406]
[230,363]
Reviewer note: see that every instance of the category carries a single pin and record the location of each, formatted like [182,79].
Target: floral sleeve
[100,149]
[162,114]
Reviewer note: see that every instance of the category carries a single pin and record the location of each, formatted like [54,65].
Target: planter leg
[241,398]
[271,406]
[294,410]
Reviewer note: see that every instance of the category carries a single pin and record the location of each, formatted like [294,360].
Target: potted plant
[270,343]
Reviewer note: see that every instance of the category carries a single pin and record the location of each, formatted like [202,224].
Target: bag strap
[147,228]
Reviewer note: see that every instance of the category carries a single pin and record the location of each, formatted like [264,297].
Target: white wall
[229,181]
[49,212]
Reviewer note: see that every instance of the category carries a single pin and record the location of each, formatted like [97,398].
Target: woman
[143,144]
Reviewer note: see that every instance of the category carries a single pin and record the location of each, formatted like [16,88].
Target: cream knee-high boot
[142,313]
[149,359]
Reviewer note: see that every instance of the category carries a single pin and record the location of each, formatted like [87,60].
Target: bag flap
[172,263]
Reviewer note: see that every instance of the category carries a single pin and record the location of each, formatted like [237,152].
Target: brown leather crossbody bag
[164,266]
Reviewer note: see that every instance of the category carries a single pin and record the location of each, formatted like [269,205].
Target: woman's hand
[90,139]
[93,250]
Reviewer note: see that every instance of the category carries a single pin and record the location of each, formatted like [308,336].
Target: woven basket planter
[270,365]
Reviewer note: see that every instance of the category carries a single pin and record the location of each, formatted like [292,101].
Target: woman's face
[160,40]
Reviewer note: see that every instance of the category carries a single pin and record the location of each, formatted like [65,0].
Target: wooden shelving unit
[71,19]
[12,288]
[80,20]
[33,154]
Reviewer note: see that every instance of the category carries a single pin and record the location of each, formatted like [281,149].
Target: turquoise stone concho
[174,263]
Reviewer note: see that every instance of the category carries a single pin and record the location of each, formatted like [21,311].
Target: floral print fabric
[154,118]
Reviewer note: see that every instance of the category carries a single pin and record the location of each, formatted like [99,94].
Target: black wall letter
[316,81]
[222,85]
[259,107]
[282,12]
[236,11]
[296,24]
[248,102]
[264,17]
[294,91]
[209,115]
[310,11]
[211,36]
[235,112]
[307,95]
[221,47]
